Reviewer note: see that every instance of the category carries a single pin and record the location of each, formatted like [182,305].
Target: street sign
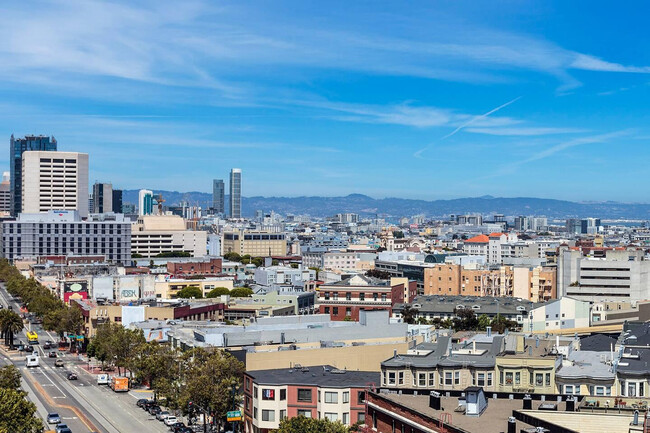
[234,415]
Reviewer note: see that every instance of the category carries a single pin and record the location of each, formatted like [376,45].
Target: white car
[170,420]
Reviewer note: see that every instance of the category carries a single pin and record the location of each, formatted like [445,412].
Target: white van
[33,361]
[102,379]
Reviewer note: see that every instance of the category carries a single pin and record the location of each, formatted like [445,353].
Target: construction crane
[159,200]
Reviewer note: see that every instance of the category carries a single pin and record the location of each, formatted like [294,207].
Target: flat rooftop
[321,375]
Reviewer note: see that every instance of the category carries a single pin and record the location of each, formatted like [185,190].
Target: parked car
[51,355]
[72,376]
[160,416]
[58,363]
[48,345]
[178,427]
[29,349]
[61,427]
[170,420]
[148,405]
[65,430]
[153,410]
[142,402]
[53,418]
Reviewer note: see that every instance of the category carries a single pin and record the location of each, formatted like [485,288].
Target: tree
[465,320]
[300,424]
[217,292]
[155,365]
[398,234]
[232,257]
[9,377]
[190,292]
[409,314]
[10,324]
[375,273]
[500,324]
[483,322]
[17,415]
[241,292]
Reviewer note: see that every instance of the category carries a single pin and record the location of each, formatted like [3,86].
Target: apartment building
[452,280]
[155,234]
[5,194]
[322,392]
[254,243]
[283,276]
[343,300]
[54,181]
[167,288]
[564,313]
[63,233]
[199,266]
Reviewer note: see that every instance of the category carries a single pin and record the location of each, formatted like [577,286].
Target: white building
[145,202]
[564,313]
[281,275]
[55,181]
[155,234]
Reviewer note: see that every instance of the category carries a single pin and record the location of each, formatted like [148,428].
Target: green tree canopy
[10,324]
[232,257]
[9,377]
[190,292]
[17,415]
[241,292]
[217,292]
[300,424]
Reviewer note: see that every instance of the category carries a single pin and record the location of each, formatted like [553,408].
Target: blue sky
[391,99]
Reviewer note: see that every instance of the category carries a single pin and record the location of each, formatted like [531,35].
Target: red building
[313,392]
[195,267]
[343,300]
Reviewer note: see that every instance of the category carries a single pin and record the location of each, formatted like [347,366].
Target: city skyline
[456,100]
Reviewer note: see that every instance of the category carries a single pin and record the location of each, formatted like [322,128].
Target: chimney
[488,330]
[528,402]
[571,404]
[512,424]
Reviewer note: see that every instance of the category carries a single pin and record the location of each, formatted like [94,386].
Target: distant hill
[397,207]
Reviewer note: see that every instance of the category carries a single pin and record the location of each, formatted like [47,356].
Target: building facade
[344,300]
[156,234]
[145,202]
[254,243]
[54,181]
[218,196]
[5,194]
[102,198]
[62,233]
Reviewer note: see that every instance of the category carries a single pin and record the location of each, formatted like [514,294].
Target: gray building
[17,146]
[117,201]
[102,198]
[62,233]
[235,193]
[218,196]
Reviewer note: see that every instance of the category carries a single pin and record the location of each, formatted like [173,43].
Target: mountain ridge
[319,206]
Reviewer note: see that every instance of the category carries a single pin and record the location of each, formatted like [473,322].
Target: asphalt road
[82,404]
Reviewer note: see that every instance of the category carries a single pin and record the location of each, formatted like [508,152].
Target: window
[509,378]
[361,416]
[335,311]
[268,394]
[255,392]
[391,378]
[568,389]
[448,378]
[283,394]
[517,378]
[346,418]
[501,378]
[432,379]
[332,416]
[305,413]
[422,379]
[489,379]
[457,377]
[304,394]
[480,379]
[348,296]
[255,412]
[362,296]
[346,396]
[400,377]
[539,379]
[268,415]
[331,397]
[283,414]
[548,379]
[361,396]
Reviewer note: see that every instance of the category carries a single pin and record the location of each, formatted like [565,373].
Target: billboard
[103,288]
[148,287]
[75,289]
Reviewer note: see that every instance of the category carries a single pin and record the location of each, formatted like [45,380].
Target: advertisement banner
[75,289]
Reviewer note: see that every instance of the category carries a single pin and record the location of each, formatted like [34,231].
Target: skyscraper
[145,202]
[102,198]
[17,146]
[54,181]
[235,193]
[117,200]
[218,192]
[5,194]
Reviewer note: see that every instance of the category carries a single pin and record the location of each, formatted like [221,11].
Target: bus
[32,361]
[32,337]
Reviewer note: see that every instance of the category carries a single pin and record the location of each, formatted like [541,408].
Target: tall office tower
[54,181]
[17,146]
[145,202]
[117,201]
[5,194]
[102,198]
[218,192]
[235,193]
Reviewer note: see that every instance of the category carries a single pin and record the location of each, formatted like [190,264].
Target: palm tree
[11,324]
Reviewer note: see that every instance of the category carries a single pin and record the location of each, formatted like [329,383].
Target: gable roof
[478,239]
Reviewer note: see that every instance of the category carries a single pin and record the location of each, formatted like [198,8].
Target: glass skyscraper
[17,146]
[218,196]
[235,193]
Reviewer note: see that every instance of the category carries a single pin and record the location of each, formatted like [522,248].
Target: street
[82,404]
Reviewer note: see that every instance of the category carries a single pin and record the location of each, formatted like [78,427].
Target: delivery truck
[33,360]
[120,384]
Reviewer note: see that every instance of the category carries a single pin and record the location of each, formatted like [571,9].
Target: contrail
[469,122]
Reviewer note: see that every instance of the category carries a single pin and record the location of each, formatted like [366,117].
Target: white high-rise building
[145,202]
[5,194]
[55,181]
[235,193]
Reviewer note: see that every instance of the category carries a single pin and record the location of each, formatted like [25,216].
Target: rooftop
[322,375]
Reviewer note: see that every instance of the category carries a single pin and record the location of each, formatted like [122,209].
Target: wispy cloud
[525,131]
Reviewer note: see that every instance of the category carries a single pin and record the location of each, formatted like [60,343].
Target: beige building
[167,288]
[450,280]
[55,181]
[5,194]
[254,243]
[155,234]
[538,284]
